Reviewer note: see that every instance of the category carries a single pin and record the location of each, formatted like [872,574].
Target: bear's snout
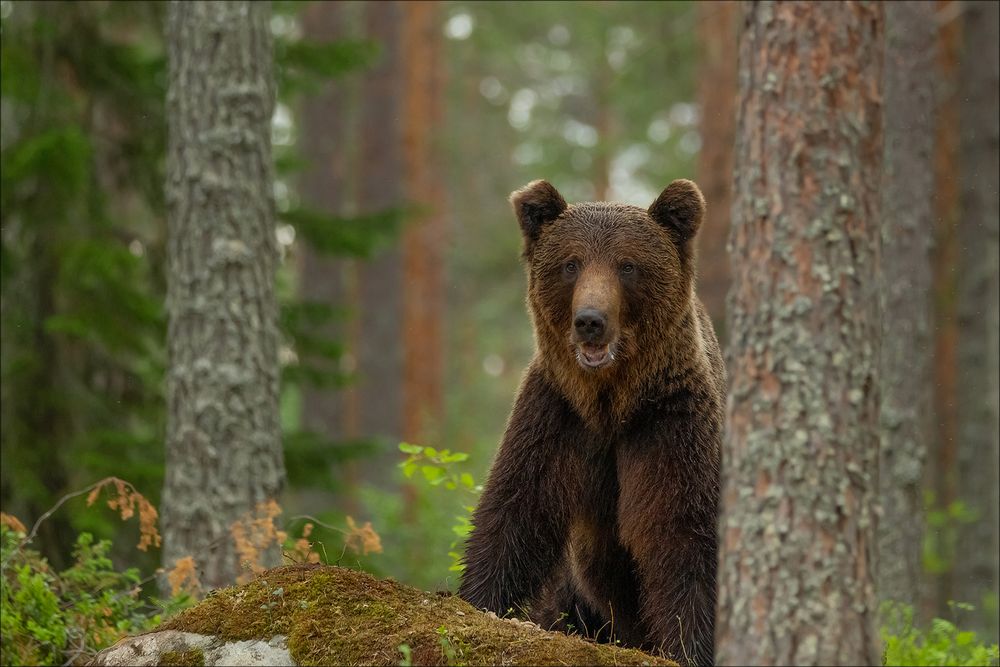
[591,325]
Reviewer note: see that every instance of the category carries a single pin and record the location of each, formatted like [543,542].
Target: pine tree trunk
[223,434]
[976,566]
[907,224]
[423,239]
[717,22]
[602,102]
[797,568]
[324,188]
[380,347]
[945,261]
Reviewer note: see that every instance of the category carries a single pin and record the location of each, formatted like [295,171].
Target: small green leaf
[433,474]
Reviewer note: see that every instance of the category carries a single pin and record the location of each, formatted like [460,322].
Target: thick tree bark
[423,239]
[907,225]
[976,567]
[223,434]
[717,29]
[797,565]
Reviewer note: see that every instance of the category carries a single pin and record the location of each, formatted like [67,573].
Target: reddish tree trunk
[423,239]
[717,29]
[945,257]
[797,562]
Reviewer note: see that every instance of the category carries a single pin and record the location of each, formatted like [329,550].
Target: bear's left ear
[679,209]
[535,205]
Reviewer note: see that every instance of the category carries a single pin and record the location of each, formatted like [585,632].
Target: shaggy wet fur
[600,510]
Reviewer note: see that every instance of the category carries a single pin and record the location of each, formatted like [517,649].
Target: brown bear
[599,514]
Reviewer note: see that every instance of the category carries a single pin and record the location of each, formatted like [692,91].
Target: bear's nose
[590,324]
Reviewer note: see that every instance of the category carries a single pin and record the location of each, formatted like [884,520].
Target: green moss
[192,658]
[333,615]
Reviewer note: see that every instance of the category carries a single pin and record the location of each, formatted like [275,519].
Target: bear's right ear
[536,204]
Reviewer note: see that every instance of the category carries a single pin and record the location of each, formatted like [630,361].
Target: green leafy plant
[438,468]
[51,617]
[450,651]
[407,652]
[942,643]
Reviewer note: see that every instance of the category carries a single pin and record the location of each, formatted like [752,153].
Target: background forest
[398,131]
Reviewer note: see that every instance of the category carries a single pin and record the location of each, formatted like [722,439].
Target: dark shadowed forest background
[397,131]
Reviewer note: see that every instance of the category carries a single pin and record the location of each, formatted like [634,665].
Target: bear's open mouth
[594,356]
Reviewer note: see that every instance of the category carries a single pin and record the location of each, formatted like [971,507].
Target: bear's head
[608,284]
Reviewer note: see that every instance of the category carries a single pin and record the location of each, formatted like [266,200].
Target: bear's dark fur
[600,510]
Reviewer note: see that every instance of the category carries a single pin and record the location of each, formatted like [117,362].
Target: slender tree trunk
[324,134]
[945,262]
[717,29]
[797,568]
[380,347]
[224,453]
[907,224]
[976,568]
[423,239]
[603,124]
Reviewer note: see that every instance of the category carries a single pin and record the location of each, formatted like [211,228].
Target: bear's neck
[606,399]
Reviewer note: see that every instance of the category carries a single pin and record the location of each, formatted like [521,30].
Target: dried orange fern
[12,522]
[127,502]
[253,534]
[184,577]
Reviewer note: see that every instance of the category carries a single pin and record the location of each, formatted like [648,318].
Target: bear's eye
[571,267]
[628,267]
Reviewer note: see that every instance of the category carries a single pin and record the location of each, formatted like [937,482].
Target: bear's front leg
[667,520]
[677,598]
[520,525]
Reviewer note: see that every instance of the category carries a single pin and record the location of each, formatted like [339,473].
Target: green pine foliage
[82,319]
[82,256]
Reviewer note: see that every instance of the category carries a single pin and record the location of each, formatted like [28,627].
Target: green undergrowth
[333,615]
[65,617]
[941,643]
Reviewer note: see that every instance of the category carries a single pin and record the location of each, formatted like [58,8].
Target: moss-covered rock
[331,615]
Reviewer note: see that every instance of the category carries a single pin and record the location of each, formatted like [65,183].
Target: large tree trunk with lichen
[223,440]
[976,566]
[717,31]
[801,450]
[907,223]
